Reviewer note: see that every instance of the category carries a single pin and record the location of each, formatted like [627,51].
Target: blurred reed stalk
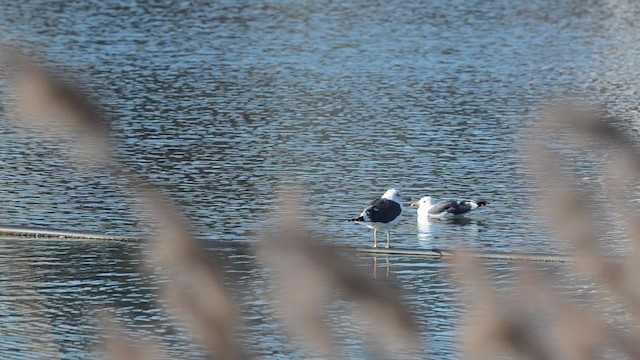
[116,345]
[43,100]
[308,275]
[539,322]
[196,289]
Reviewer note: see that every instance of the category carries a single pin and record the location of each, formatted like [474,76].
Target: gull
[446,209]
[381,214]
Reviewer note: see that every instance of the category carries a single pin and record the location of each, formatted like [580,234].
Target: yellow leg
[388,238]
[375,238]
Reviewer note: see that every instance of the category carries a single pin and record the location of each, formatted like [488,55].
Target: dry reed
[540,322]
[308,275]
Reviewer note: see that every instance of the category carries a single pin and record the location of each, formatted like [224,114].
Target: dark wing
[382,210]
[452,207]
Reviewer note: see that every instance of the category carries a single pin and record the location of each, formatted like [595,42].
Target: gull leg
[388,238]
[375,238]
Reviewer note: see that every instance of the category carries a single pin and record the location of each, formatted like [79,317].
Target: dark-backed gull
[445,209]
[381,214]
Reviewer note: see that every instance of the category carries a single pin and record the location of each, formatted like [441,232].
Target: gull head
[425,200]
[393,194]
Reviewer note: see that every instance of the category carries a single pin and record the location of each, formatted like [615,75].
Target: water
[223,103]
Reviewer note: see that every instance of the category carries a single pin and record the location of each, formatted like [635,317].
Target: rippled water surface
[225,103]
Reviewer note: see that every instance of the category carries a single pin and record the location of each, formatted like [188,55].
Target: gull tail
[357,219]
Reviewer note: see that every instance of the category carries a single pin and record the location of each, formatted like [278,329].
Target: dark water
[223,103]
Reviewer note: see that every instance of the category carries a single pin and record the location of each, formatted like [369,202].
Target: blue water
[223,103]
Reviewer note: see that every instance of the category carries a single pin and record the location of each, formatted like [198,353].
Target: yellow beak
[415,204]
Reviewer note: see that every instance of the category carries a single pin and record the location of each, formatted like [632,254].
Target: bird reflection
[434,230]
[425,231]
[375,267]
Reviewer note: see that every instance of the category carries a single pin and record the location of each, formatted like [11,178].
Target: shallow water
[222,103]
[55,292]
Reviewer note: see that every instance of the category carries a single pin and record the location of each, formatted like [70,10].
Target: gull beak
[415,204]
